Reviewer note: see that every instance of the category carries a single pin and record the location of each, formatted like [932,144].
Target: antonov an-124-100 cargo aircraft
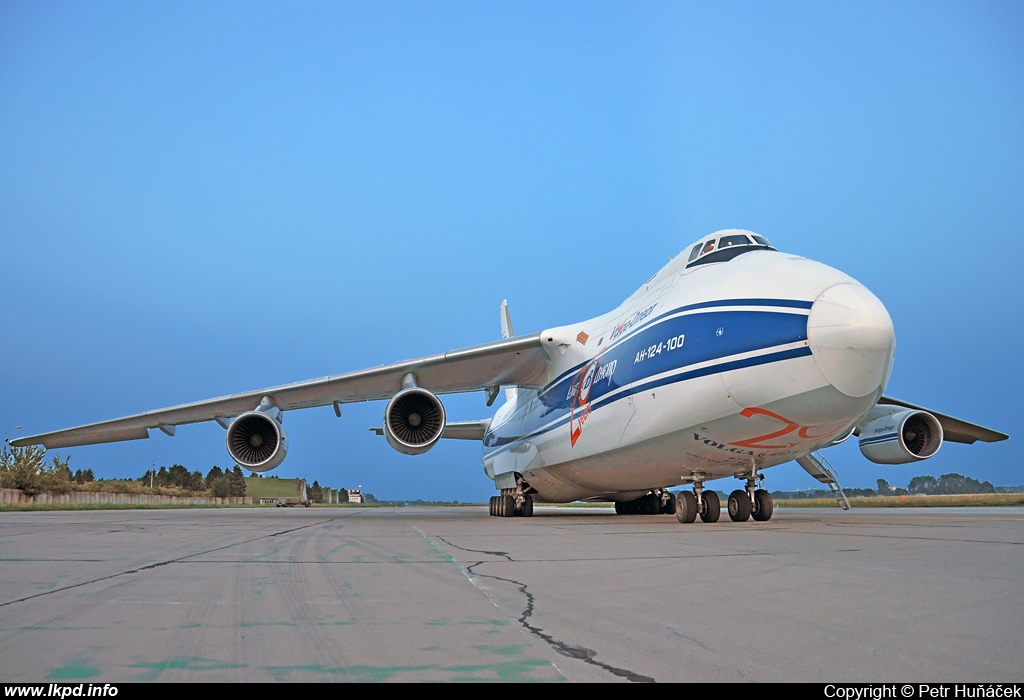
[733,358]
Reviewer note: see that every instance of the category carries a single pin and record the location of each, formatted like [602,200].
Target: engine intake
[257,441]
[901,437]
[413,421]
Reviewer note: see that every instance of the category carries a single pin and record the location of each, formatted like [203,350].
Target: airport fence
[16,497]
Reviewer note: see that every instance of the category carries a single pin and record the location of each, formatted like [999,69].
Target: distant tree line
[947,484]
[26,468]
[218,482]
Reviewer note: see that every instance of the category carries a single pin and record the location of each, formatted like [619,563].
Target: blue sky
[198,199]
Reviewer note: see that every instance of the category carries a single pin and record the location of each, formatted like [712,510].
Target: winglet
[506,320]
[506,332]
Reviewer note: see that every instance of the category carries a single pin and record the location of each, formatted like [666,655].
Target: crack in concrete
[158,564]
[573,652]
[477,551]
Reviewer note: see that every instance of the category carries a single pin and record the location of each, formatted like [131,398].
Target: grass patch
[977,499]
[112,506]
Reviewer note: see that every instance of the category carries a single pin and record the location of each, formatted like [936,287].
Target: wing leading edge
[520,361]
[953,429]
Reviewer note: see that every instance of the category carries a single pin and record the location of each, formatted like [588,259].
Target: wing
[521,361]
[953,429]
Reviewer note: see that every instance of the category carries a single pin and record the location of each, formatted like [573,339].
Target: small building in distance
[355,496]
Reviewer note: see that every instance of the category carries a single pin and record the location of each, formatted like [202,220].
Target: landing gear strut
[706,504]
[654,503]
[753,501]
[511,502]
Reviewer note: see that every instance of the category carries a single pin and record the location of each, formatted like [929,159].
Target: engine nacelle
[901,437]
[413,421]
[257,441]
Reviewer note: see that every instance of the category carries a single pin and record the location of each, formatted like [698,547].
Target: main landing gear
[753,501]
[654,503]
[687,505]
[706,504]
[511,502]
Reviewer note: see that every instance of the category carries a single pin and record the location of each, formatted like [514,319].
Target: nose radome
[851,338]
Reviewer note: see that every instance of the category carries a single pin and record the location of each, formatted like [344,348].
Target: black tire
[651,504]
[620,507]
[712,507]
[669,507]
[765,506]
[508,506]
[492,506]
[686,507]
[527,510]
[739,506]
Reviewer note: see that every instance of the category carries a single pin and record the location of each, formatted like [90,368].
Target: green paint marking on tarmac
[267,624]
[363,674]
[495,623]
[512,650]
[439,622]
[324,557]
[536,670]
[512,671]
[75,668]
[188,663]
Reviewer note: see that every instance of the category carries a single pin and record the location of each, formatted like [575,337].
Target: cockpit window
[726,241]
[731,244]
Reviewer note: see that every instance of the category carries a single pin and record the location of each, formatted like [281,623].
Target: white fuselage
[707,371]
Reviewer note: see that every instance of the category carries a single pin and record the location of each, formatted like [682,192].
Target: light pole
[17,427]
[152,470]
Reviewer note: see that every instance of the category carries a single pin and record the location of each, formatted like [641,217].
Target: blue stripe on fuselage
[642,360]
[646,325]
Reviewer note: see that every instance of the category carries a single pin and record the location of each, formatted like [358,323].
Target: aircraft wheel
[739,506]
[686,507]
[492,506]
[765,505]
[651,504]
[620,507]
[507,506]
[527,510]
[669,507]
[712,507]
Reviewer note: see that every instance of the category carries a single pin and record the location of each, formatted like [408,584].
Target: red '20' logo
[804,432]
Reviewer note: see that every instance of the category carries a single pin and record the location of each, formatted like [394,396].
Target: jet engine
[257,441]
[901,437]
[413,421]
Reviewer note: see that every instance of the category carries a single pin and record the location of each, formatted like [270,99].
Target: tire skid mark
[158,564]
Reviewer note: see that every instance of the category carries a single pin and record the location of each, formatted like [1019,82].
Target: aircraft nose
[851,338]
